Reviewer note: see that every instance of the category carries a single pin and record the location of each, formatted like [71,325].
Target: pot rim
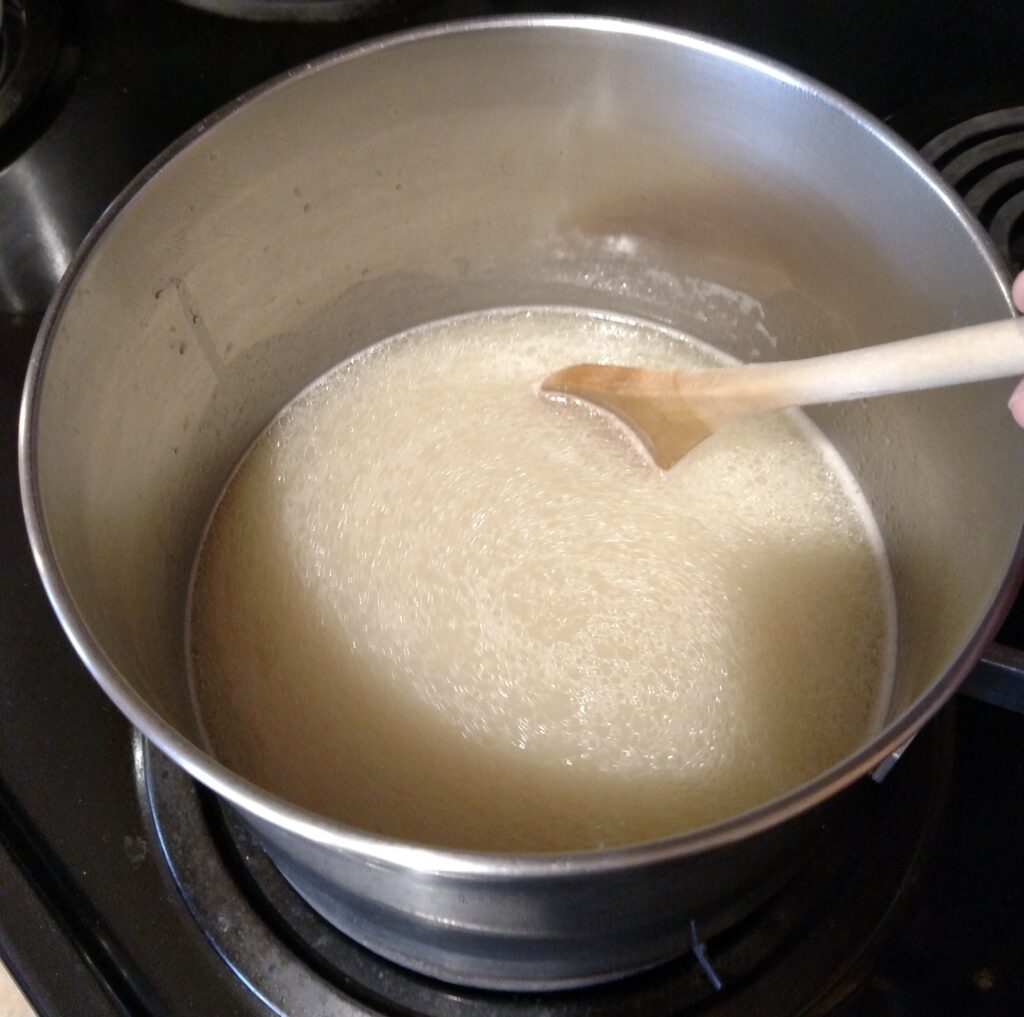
[333,835]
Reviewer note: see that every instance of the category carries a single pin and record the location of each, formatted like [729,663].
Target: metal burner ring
[30,31]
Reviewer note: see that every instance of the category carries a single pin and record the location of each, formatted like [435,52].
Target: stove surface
[91,919]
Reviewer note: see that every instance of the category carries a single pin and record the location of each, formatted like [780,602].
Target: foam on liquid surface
[434,605]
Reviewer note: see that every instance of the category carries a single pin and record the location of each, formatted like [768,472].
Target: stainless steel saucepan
[543,160]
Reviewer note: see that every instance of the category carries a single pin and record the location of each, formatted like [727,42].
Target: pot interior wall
[514,166]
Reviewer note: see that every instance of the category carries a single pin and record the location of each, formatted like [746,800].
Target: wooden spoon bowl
[670,412]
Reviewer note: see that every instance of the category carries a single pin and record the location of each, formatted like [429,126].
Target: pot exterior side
[555,931]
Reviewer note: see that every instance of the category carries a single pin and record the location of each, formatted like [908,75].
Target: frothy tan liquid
[434,605]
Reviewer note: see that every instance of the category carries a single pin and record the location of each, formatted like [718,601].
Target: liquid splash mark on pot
[195,322]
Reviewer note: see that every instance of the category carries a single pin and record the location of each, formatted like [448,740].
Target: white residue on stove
[135,850]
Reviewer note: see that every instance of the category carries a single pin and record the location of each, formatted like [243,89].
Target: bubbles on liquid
[435,605]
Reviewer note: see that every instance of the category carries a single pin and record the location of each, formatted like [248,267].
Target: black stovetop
[91,920]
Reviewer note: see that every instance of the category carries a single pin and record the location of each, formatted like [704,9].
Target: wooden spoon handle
[976,353]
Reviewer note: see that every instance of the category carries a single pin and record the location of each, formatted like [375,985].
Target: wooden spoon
[672,411]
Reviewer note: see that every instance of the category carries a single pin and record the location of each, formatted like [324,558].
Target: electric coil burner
[29,33]
[125,888]
[803,951]
[982,159]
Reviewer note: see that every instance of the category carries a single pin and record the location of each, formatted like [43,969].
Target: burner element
[39,185]
[982,158]
[29,43]
[803,952]
[291,10]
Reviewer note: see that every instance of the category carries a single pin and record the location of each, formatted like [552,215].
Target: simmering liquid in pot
[434,605]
